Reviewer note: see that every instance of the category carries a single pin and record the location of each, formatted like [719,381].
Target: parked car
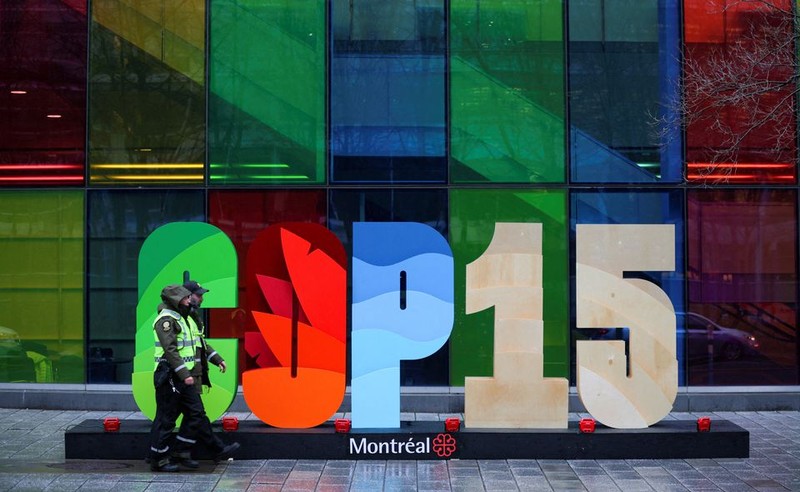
[15,365]
[727,343]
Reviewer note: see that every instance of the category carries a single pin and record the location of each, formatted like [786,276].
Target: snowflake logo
[444,445]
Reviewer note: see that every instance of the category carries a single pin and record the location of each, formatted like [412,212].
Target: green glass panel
[474,214]
[147,93]
[173,250]
[507,91]
[41,287]
[267,102]
[119,221]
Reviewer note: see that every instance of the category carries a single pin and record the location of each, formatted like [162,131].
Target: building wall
[117,117]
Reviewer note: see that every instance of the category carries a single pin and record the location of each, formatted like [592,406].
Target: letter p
[402,310]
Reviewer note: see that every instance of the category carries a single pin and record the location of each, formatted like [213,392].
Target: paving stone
[298,485]
[499,485]
[124,486]
[668,487]
[633,485]
[432,485]
[262,477]
[464,473]
[600,484]
[567,485]
[276,488]
[474,483]
[336,488]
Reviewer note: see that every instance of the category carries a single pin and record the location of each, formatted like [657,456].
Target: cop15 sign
[402,308]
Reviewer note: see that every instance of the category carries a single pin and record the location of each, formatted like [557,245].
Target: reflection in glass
[742,307]
[267,95]
[42,93]
[623,80]
[745,133]
[242,215]
[425,206]
[147,94]
[119,222]
[388,91]
[507,98]
[41,287]
[474,214]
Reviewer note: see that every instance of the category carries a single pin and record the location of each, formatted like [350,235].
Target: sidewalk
[32,458]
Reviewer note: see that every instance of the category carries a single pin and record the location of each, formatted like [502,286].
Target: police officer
[204,353]
[175,348]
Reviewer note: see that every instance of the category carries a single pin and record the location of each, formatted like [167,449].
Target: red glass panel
[297,292]
[741,319]
[242,215]
[42,92]
[736,134]
[702,22]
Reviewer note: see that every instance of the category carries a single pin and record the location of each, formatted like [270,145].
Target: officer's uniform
[196,325]
[203,350]
[204,353]
[175,351]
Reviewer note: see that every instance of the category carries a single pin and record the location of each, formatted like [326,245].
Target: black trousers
[173,400]
[205,434]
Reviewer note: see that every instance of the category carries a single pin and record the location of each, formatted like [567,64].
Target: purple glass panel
[741,319]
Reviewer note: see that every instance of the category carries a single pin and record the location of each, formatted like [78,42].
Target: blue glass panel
[387,92]
[429,207]
[641,207]
[623,69]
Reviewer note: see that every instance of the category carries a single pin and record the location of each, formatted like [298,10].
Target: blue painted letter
[402,310]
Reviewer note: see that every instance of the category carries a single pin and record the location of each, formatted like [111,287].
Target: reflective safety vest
[186,341]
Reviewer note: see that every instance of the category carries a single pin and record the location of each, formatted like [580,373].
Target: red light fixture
[38,167]
[111,424]
[230,424]
[342,426]
[452,424]
[704,424]
[587,426]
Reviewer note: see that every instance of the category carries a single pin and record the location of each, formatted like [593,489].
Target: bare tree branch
[738,96]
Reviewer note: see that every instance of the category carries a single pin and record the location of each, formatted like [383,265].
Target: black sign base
[669,439]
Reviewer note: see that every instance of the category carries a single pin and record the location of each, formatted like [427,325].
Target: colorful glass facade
[118,118]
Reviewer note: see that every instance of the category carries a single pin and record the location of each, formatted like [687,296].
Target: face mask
[193,304]
[184,310]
